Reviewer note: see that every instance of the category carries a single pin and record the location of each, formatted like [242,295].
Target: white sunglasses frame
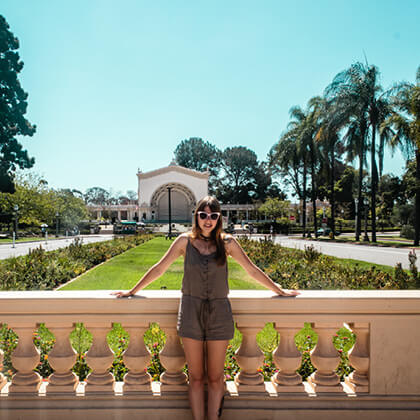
[208,217]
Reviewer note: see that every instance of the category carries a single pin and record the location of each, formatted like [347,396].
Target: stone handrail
[385,355]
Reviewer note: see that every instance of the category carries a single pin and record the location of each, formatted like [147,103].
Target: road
[378,255]
[22,248]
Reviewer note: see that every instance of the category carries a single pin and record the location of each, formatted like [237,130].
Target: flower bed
[309,269]
[41,270]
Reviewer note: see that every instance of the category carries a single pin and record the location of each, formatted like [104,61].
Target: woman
[205,316]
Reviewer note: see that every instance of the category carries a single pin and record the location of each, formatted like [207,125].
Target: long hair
[217,233]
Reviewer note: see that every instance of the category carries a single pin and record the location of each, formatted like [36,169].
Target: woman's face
[208,224]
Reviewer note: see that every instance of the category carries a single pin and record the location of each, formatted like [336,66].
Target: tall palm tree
[358,90]
[297,126]
[332,120]
[405,121]
[307,124]
[284,159]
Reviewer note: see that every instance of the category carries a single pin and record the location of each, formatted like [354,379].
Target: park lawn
[123,271]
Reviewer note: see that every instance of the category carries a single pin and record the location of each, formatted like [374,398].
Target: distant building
[186,187]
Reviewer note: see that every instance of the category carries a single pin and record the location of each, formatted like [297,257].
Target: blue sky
[115,86]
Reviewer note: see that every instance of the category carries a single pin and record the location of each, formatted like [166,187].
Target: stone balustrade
[385,358]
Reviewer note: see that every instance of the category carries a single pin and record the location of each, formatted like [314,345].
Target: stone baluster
[136,358]
[2,378]
[62,357]
[25,358]
[172,358]
[359,358]
[99,358]
[249,357]
[326,359]
[288,359]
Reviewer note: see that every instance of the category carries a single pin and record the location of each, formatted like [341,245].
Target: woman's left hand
[286,293]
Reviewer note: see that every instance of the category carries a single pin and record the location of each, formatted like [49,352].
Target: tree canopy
[13,106]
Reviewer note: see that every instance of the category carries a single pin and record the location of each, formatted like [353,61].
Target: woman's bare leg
[194,353]
[216,355]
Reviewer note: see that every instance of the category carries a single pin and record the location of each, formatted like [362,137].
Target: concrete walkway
[379,255]
[23,248]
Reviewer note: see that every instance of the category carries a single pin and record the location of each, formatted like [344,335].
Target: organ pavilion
[185,187]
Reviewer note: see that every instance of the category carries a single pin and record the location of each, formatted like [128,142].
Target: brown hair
[216,234]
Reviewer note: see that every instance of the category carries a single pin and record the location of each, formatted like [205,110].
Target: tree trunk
[359,198]
[332,194]
[417,202]
[304,200]
[374,172]
[313,191]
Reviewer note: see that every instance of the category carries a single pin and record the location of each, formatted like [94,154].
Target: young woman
[205,316]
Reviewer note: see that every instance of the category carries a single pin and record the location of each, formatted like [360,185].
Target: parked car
[325,232]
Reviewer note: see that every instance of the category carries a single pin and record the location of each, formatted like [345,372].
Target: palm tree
[285,160]
[358,91]
[297,126]
[332,119]
[405,121]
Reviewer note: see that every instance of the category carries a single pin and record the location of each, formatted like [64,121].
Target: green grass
[123,271]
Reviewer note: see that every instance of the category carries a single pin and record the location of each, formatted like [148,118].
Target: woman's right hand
[122,294]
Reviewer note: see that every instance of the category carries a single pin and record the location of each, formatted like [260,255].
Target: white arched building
[186,187]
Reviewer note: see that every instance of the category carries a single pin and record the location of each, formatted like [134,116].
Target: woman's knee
[215,377]
[196,378]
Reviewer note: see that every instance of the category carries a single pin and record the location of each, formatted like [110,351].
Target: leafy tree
[240,165]
[275,207]
[195,153]
[97,196]
[38,204]
[71,209]
[13,105]
[405,121]
[357,92]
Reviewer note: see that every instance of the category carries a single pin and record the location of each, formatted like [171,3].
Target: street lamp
[170,212]
[356,203]
[57,215]
[16,210]
[366,203]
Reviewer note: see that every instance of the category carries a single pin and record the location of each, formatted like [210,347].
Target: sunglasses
[203,215]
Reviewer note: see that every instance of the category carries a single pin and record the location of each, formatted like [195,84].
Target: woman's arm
[235,250]
[176,250]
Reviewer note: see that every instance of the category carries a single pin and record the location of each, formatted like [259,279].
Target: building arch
[183,202]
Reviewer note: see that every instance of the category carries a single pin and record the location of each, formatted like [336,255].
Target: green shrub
[41,270]
[407,231]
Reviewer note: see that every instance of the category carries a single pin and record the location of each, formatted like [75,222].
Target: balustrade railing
[384,357]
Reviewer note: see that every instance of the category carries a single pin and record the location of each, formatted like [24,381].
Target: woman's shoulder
[227,238]
[184,237]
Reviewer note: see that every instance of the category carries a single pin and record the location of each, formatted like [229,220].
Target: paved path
[22,248]
[378,255]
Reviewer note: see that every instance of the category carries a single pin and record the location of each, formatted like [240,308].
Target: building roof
[172,167]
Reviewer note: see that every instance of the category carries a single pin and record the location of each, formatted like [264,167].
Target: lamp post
[356,203]
[16,210]
[366,203]
[170,212]
[57,215]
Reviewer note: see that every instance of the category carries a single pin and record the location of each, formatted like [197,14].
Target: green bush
[296,269]
[407,231]
[41,270]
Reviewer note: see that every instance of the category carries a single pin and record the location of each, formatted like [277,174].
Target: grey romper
[204,311]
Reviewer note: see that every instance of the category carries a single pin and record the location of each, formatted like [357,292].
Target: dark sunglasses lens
[203,216]
[214,216]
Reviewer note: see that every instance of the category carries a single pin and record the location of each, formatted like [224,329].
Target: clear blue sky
[115,86]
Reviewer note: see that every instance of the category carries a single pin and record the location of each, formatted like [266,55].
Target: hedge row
[309,269]
[41,270]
